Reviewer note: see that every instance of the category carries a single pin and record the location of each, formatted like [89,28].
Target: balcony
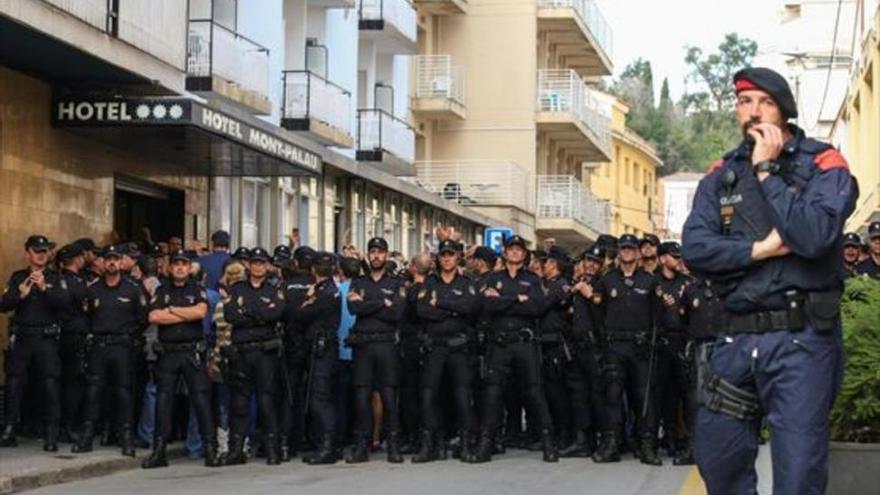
[439,91]
[313,105]
[571,115]
[390,24]
[578,31]
[94,12]
[479,184]
[221,62]
[387,140]
[442,7]
[568,212]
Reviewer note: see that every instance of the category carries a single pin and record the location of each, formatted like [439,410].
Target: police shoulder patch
[281,295]
[63,284]
[831,159]
[613,293]
[715,166]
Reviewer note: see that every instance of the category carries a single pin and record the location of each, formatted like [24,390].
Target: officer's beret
[68,252]
[39,243]
[377,243]
[671,248]
[486,254]
[242,254]
[852,239]
[772,83]
[515,240]
[628,240]
[448,246]
[259,254]
[874,230]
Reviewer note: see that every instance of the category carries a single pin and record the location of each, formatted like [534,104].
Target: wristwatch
[768,166]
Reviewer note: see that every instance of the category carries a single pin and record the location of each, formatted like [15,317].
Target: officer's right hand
[771,246]
[24,289]
[354,297]
[768,142]
[491,292]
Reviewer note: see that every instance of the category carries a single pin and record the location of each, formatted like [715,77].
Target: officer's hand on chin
[768,144]
[771,246]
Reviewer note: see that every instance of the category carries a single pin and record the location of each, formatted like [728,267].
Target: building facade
[678,192]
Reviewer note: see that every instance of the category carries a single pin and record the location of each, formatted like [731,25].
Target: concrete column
[295,29]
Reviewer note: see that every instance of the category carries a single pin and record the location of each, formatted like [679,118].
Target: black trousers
[109,366]
[554,366]
[675,376]
[587,390]
[291,382]
[627,362]
[410,379]
[520,362]
[254,369]
[376,367]
[171,367]
[73,378]
[40,353]
[456,365]
[320,379]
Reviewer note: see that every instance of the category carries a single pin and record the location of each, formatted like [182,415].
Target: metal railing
[563,196]
[478,183]
[94,12]
[591,16]
[562,90]
[379,130]
[399,13]
[215,50]
[437,76]
[310,96]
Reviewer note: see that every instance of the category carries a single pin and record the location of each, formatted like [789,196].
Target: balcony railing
[310,96]
[562,90]
[437,76]
[215,50]
[564,197]
[94,12]
[477,183]
[398,13]
[379,130]
[591,16]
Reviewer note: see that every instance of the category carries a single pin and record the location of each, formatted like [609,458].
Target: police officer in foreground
[628,297]
[320,313]
[767,224]
[870,267]
[445,304]
[34,295]
[852,246]
[254,309]
[74,330]
[377,299]
[117,309]
[513,297]
[178,308]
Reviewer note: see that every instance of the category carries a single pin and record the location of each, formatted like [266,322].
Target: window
[287,199]
[357,215]
[373,213]
[627,171]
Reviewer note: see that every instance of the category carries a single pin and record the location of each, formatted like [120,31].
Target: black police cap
[112,251]
[242,254]
[770,82]
[281,252]
[220,238]
[449,246]
[671,248]
[154,251]
[874,230]
[650,239]
[180,255]
[595,253]
[486,254]
[558,254]
[852,239]
[86,244]
[39,243]
[325,258]
[259,254]
[377,243]
[515,240]
[628,240]
[68,252]
[304,252]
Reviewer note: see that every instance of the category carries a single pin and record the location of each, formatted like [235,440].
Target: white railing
[591,16]
[437,76]
[562,90]
[563,196]
[308,95]
[93,12]
[478,183]
[379,130]
[399,13]
[215,50]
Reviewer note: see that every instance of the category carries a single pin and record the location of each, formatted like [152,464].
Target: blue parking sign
[495,236]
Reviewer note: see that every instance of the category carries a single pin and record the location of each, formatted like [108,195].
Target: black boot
[50,443]
[609,451]
[580,447]
[212,453]
[326,453]
[499,447]
[393,444]
[85,439]
[483,452]
[410,444]
[273,456]
[427,450]
[236,454]
[548,445]
[468,445]
[158,457]
[686,456]
[8,438]
[284,447]
[648,452]
[126,441]
[360,450]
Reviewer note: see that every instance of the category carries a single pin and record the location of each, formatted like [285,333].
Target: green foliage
[691,134]
[856,413]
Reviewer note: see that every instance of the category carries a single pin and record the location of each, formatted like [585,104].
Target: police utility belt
[22,331]
[111,339]
[172,347]
[822,309]
[626,336]
[452,341]
[523,335]
[257,345]
[364,338]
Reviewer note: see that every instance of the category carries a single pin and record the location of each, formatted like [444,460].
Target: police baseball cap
[595,253]
[449,246]
[628,240]
[281,254]
[671,248]
[180,255]
[772,83]
[242,254]
[39,243]
[112,251]
[874,230]
[259,254]
[220,238]
[558,254]
[852,239]
[325,258]
[86,244]
[68,252]
[515,240]
[304,253]
[377,243]
[650,239]
[486,254]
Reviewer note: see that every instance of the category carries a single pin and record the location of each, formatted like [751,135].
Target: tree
[715,71]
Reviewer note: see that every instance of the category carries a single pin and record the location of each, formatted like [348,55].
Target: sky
[660,30]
